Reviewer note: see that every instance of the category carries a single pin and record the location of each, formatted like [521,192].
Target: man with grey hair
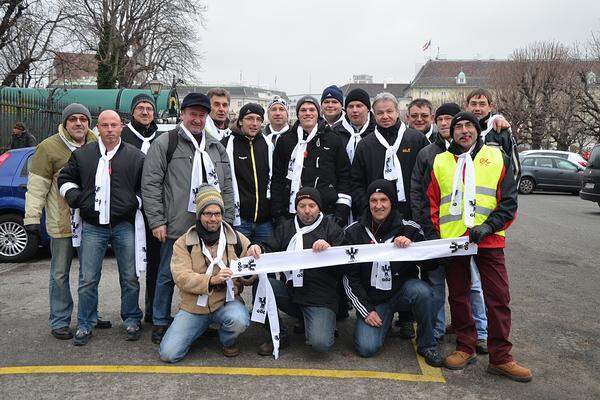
[217,123]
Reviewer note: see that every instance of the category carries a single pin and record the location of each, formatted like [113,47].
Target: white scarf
[392,169]
[296,164]
[490,126]
[428,134]
[273,137]
[355,137]
[381,271]
[215,131]
[145,140]
[297,243]
[464,197]
[218,261]
[102,183]
[140,240]
[201,160]
[264,303]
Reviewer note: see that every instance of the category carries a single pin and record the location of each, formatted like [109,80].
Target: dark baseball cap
[196,99]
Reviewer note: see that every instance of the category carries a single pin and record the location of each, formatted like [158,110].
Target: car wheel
[16,244]
[526,185]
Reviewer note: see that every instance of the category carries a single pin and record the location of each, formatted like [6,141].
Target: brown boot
[511,370]
[459,360]
[231,351]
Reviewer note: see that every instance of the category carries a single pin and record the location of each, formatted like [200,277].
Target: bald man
[102,180]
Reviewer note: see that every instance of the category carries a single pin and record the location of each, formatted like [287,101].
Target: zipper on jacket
[255,179]
[316,180]
[317,162]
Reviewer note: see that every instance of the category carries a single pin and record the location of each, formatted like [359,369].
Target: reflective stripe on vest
[488,168]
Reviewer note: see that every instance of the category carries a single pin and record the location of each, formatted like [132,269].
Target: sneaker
[403,329]
[231,351]
[134,332]
[102,324]
[63,333]
[511,370]
[82,337]
[459,360]
[158,332]
[481,346]
[432,357]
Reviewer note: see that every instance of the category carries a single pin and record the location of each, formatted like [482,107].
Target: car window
[528,162]
[595,157]
[563,164]
[27,166]
[543,162]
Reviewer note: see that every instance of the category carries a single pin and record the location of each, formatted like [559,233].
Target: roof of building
[443,73]
[234,91]
[373,89]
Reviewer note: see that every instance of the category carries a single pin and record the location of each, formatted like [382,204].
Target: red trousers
[494,282]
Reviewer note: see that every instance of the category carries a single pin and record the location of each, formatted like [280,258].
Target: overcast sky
[304,45]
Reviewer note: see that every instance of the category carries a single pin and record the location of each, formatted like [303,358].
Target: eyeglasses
[211,215]
[148,109]
[74,118]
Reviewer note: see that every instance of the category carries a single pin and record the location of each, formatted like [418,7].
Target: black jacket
[326,167]
[421,171]
[126,174]
[357,279]
[319,284]
[129,137]
[507,142]
[267,132]
[26,139]
[370,157]
[345,135]
[251,160]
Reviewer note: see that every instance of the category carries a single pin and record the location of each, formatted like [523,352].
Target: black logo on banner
[455,246]
[352,252]
[250,266]
[262,305]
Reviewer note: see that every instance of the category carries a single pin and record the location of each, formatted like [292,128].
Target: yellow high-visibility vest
[488,168]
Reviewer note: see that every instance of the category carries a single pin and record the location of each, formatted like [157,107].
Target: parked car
[590,182]
[16,244]
[541,172]
[573,157]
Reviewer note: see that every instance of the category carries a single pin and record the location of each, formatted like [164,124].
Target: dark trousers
[152,262]
[494,282]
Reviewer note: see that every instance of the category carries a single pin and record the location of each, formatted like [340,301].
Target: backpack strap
[173,140]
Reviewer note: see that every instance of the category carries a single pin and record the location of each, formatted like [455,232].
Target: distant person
[277,113]
[419,116]
[21,138]
[332,102]
[217,123]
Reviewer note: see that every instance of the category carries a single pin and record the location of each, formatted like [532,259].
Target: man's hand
[500,123]
[402,241]
[33,229]
[160,233]
[374,320]
[320,245]
[254,251]
[220,277]
[479,232]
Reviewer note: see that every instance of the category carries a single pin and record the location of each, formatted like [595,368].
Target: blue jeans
[61,301]
[437,279]
[414,293]
[319,322]
[94,241]
[163,295]
[256,233]
[233,319]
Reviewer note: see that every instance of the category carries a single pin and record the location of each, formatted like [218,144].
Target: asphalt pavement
[553,255]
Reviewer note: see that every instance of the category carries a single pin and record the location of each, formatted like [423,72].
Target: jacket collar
[191,237]
[90,136]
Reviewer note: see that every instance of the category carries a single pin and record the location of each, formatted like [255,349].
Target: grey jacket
[166,188]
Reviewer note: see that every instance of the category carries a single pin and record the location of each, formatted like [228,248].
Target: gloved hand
[342,212]
[479,232]
[33,229]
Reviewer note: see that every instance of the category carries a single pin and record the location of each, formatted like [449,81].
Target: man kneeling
[379,289]
[200,268]
[311,294]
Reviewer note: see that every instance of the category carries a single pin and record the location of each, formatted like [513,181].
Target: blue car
[16,245]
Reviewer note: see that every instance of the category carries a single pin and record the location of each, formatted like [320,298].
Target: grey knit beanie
[75,108]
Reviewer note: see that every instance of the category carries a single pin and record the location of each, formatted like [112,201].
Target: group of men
[186,203]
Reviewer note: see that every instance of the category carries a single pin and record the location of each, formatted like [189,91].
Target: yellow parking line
[427,376]
[426,369]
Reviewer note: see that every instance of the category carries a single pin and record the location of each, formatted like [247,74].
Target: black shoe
[134,332]
[63,333]
[82,337]
[432,357]
[403,329]
[101,324]
[158,332]
[481,346]
[266,348]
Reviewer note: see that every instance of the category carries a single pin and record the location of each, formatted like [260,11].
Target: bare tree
[11,11]
[588,72]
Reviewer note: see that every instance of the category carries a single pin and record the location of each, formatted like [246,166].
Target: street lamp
[155,86]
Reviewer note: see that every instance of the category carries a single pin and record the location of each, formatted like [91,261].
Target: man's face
[420,118]
[307,115]
[380,206]
[77,125]
[250,125]
[357,113]
[465,135]
[16,132]
[443,124]
[211,218]
[219,108]
[479,106]
[109,128]
[194,119]
[143,113]
[308,211]
[331,108]
[277,115]
[386,113]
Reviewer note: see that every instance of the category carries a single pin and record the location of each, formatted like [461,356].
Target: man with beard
[331,105]
[309,295]
[277,113]
[377,289]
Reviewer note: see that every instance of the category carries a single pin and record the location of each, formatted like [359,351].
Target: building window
[461,78]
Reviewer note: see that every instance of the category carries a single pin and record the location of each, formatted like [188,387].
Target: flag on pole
[426,45]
